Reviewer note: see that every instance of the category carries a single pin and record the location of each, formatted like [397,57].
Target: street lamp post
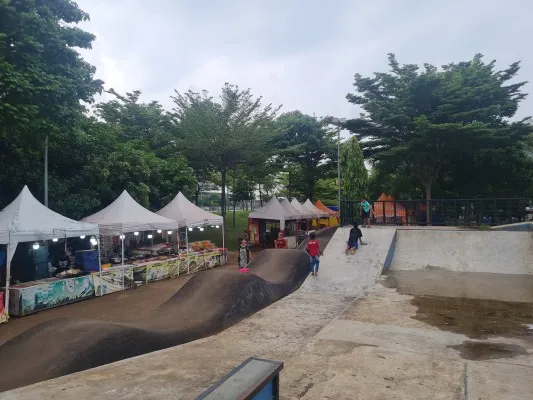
[339,122]
[46,171]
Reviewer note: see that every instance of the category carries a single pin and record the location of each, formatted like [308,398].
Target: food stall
[266,223]
[27,220]
[191,216]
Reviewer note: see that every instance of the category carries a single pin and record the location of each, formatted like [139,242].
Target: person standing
[313,249]
[366,212]
[244,259]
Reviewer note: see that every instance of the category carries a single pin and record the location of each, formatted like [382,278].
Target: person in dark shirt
[355,237]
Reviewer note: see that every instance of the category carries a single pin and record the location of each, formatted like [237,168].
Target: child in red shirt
[313,249]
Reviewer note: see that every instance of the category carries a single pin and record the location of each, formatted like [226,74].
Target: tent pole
[187,246]
[99,263]
[122,240]
[8,276]
[224,243]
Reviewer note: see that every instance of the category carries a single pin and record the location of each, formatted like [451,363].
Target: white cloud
[302,54]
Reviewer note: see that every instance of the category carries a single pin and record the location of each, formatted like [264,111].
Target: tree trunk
[197,194]
[234,201]
[223,195]
[260,196]
[427,187]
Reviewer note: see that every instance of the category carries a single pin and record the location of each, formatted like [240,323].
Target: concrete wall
[467,251]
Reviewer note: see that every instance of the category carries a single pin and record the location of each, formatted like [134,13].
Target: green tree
[223,136]
[327,191]
[418,122]
[354,176]
[43,82]
[307,143]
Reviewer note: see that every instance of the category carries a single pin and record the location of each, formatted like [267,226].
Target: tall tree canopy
[308,147]
[222,136]
[43,81]
[354,176]
[424,122]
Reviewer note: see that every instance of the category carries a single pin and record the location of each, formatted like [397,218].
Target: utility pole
[46,170]
[339,122]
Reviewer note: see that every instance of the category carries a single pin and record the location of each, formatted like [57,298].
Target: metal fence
[443,212]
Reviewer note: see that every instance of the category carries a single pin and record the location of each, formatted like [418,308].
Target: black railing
[443,212]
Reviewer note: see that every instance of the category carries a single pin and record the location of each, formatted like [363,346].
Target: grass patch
[232,233]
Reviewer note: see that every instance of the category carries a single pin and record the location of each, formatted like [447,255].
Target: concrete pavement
[342,336]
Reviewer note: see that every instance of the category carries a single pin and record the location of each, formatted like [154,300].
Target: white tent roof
[306,213]
[126,215]
[316,211]
[188,214]
[292,212]
[272,210]
[26,219]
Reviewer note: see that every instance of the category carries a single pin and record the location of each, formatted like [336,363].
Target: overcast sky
[298,53]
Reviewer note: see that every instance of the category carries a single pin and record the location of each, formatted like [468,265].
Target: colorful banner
[185,264]
[43,295]
[113,279]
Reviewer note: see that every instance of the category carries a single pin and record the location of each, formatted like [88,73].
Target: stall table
[30,297]
[186,263]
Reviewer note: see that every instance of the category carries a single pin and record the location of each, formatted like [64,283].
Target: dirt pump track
[208,303]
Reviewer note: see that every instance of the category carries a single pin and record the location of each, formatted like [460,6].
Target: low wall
[464,251]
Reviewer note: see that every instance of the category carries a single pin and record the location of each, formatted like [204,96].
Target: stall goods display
[35,296]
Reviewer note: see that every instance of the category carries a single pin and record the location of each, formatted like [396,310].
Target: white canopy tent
[302,210]
[189,215]
[125,215]
[292,212]
[273,210]
[27,220]
[308,205]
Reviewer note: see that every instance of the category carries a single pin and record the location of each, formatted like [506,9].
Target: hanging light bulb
[122,237]
[55,239]
[82,237]
[94,242]
[212,226]
[201,229]
[150,236]
[216,226]
[169,232]
[159,231]
[35,246]
[136,233]
[190,229]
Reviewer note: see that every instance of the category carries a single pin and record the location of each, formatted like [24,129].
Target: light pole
[46,171]
[339,122]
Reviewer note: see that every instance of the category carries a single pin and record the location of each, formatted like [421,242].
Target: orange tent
[322,207]
[384,208]
[333,216]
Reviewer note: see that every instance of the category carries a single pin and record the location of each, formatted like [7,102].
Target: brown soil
[207,303]
[475,318]
[481,351]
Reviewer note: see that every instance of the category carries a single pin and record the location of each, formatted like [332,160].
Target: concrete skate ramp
[208,303]
[499,252]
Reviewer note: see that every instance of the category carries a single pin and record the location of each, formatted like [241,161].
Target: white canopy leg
[99,264]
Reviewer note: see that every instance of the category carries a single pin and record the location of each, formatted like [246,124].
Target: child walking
[313,249]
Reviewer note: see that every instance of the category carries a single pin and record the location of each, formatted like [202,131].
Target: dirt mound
[209,302]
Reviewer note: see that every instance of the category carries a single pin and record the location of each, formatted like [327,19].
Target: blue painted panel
[266,393]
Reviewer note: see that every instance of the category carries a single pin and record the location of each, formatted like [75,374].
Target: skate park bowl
[208,303]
